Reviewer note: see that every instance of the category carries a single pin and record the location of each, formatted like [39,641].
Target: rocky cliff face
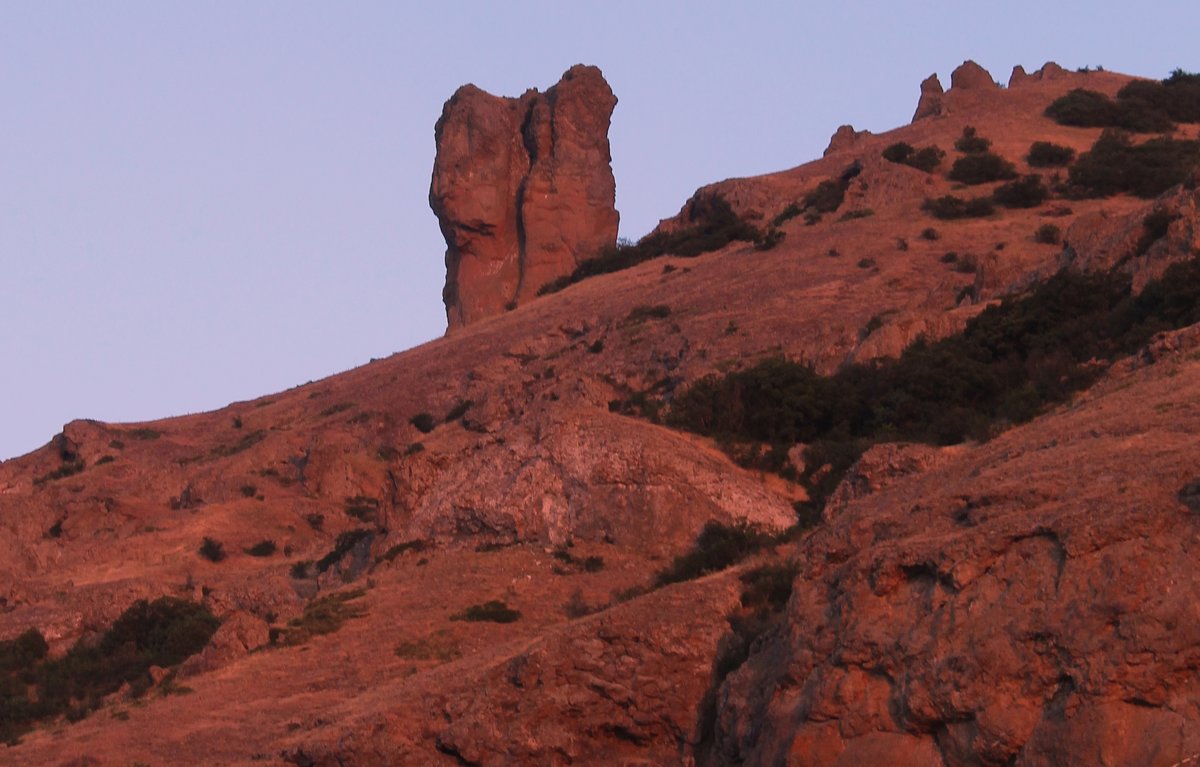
[523,190]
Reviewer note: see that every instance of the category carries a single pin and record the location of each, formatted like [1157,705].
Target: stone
[970,75]
[930,104]
[845,137]
[523,190]
[1018,77]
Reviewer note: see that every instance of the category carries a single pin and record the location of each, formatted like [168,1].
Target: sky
[202,203]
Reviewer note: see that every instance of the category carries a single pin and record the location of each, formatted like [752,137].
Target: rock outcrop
[523,190]
[970,75]
[930,104]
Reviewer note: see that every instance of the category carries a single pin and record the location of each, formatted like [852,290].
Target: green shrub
[850,215]
[711,225]
[345,542]
[926,159]
[1043,154]
[1154,227]
[159,633]
[1114,165]
[212,550]
[827,197]
[20,654]
[416,544]
[1048,234]
[1009,362]
[950,208]
[970,142]
[1083,108]
[424,422]
[262,549]
[1177,97]
[787,214]
[644,312]
[493,611]
[248,491]
[770,239]
[1026,192]
[717,547]
[340,407]
[67,469]
[458,411]
[323,615]
[930,234]
[899,152]
[982,168]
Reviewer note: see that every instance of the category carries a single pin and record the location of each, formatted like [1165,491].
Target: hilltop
[474,551]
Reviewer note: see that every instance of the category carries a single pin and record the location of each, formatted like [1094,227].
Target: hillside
[1022,598]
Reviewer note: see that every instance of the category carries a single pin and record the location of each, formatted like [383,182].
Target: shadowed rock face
[523,190]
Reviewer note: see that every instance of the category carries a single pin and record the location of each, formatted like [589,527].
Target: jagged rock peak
[1049,71]
[844,138]
[930,104]
[970,75]
[523,190]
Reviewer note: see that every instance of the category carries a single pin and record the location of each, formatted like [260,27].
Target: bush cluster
[971,142]
[712,224]
[1026,192]
[33,689]
[949,208]
[1142,106]
[1043,154]
[717,547]
[925,159]
[1006,366]
[981,168]
[493,611]
[1115,165]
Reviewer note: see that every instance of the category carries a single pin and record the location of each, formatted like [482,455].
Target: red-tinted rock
[970,75]
[930,104]
[523,190]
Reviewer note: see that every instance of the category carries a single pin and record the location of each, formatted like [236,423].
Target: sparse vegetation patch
[34,688]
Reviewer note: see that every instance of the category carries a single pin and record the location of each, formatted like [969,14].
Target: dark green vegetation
[458,411]
[1009,364]
[1043,154]
[1026,192]
[1154,228]
[1048,234]
[424,422]
[263,548]
[66,469]
[711,225]
[717,547]
[926,159]
[342,546]
[970,142]
[949,208]
[493,611]
[34,689]
[1143,106]
[212,550]
[1115,164]
[323,615]
[981,168]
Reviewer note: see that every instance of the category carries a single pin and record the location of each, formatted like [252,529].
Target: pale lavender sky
[202,203]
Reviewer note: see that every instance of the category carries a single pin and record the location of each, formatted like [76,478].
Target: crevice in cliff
[529,141]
